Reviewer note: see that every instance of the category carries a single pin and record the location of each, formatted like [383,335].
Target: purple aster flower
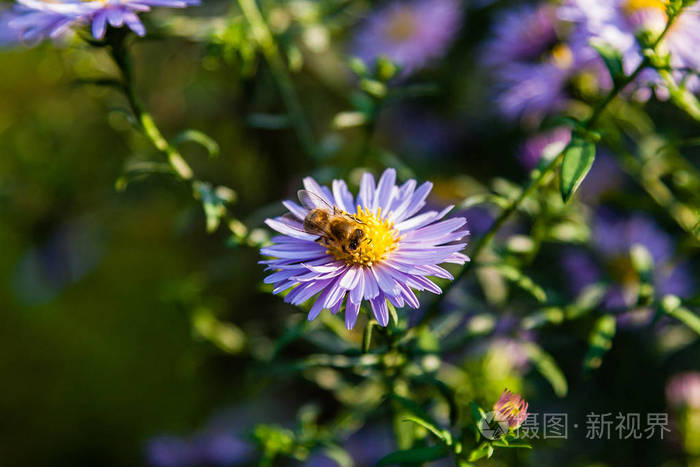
[530,63]
[396,251]
[35,20]
[511,409]
[615,22]
[409,33]
[683,390]
[522,34]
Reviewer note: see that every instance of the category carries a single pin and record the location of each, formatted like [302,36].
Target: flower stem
[541,176]
[120,55]
[263,36]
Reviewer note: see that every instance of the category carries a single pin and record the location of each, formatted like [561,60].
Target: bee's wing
[312,201]
[298,226]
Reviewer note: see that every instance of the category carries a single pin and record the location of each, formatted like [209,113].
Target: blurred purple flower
[71,252]
[581,269]
[208,448]
[553,141]
[414,132]
[522,34]
[170,451]
[683,390]
[616,22]
[410,33]
[530,64]
[397,253]
[36,20]
[365,446]
[613,238]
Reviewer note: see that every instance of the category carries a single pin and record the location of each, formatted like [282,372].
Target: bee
[335,228]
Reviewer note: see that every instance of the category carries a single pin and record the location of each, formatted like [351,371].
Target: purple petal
[416,203]
[352,310]
[295,209]
[115,17]
[311,185]
[287,228]
[99,25]
[134,24]
[386,185]
[343,198]
[365,197]
[370,284]
[358,292]
[380,310]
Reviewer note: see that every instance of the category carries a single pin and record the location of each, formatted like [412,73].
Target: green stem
[539,179]
[120,56]
[263,36]
[684,99]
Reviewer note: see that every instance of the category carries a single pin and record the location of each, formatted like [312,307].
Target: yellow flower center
[402,25]
[562,56]
[379,240]
[636,5]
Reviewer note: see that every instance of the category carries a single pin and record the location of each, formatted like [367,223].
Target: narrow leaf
[612,59]
[671,305]
[545,364]
[599,342]
[196,136]
[521,280]
[431,428]
[578,159]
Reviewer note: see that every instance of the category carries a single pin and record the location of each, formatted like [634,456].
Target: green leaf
[415,409]
[521,280]
[547,367]
[480,452]
[443,435]
[578,159]
[612,59]
[414,456]
[196,136]
[512,444]
[599,342]
[671,305]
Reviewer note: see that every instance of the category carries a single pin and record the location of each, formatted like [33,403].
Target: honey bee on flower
[376,247]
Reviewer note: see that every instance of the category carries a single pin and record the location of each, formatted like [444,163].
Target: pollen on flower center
[379,240]
[636,5]
[402,25]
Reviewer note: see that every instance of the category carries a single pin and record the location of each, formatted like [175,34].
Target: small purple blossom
[683,390]
[400,249]
[616,23]
[409,33]
[511,409]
